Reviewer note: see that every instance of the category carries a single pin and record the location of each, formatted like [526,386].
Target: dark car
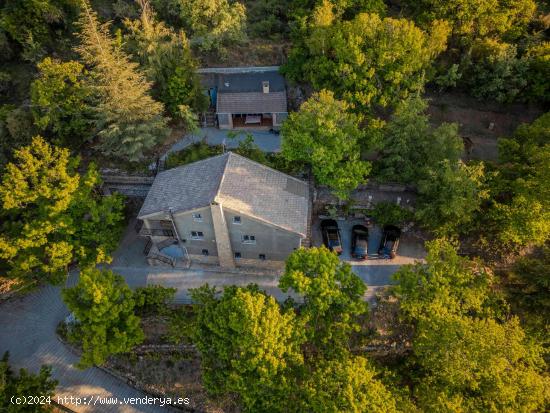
[390,242]
[331,235]
[359,242]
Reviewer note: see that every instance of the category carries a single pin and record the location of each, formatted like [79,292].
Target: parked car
[390,242]
[359,242]
[331,235]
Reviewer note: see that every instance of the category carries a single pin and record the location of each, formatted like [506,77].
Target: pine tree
[103,306]
[130,122]
[51,217]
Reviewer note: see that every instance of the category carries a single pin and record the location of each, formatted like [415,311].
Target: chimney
[265,86]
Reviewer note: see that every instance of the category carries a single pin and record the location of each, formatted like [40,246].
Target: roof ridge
[228,153]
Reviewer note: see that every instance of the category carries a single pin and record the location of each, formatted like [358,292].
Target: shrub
[153,299]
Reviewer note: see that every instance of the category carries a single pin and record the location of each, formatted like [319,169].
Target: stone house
[246,97]
[226,210]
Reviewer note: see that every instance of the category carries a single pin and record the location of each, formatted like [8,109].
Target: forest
[93,84]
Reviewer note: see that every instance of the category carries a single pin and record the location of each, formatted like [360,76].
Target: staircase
[207,119]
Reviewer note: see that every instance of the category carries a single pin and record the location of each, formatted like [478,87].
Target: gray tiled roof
[237,183]
[251,102]
[185,187]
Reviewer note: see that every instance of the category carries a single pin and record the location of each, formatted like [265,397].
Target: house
[242,97]
[225,210]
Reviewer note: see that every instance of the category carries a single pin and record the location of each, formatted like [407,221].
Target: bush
[153,299]
[181,325]
[193,153]
[389,213]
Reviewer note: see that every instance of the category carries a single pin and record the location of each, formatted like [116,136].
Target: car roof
[360,228]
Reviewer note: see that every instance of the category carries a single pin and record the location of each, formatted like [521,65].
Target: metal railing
[162,258]
[166,243]
[148,246]
[159,232]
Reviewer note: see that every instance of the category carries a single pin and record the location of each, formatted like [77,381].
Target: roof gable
[264,193]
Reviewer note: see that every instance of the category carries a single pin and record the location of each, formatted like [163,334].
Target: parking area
[374,271]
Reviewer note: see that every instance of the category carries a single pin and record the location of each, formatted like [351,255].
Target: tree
[333,298]
[153,299]
[350,385]
[103,306]
[449,196]
[494,71]
[60,102]
[167,59]
[324,135]
[410,146]
[129,121]
[16,130]
[468,354]
[52,217]
[248,345]
[445,284]
[471,19]
[518,213]
[389,213]
[36,20]
[478,365]
[527,286]
[24,385]
[368,61]
[210,24]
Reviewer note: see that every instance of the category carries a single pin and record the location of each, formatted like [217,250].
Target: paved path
[27,327]
[268,142]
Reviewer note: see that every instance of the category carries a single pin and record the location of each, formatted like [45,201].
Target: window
[223,118]
[197,217]
[249,239]
[236,220]
[197,235]
[262,257]
[237,255]
[205,253]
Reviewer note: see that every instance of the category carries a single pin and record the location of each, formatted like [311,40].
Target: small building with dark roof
[246,97]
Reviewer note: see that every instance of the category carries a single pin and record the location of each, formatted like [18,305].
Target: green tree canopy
[449,196]
[446,284]
[367,61]
[471,19]
[333,297]
[51,216]
[37,21]
[527,286]
[103,306]
[247,345]
[129,121]
[519,213]
[350,385]
[478,365]
[210,24]
[167,59]
[410,146]
[468,356]
[60,102]
[25,385]
[325,136]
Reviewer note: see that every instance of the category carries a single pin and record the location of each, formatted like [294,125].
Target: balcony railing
[162,258]
[157,232]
